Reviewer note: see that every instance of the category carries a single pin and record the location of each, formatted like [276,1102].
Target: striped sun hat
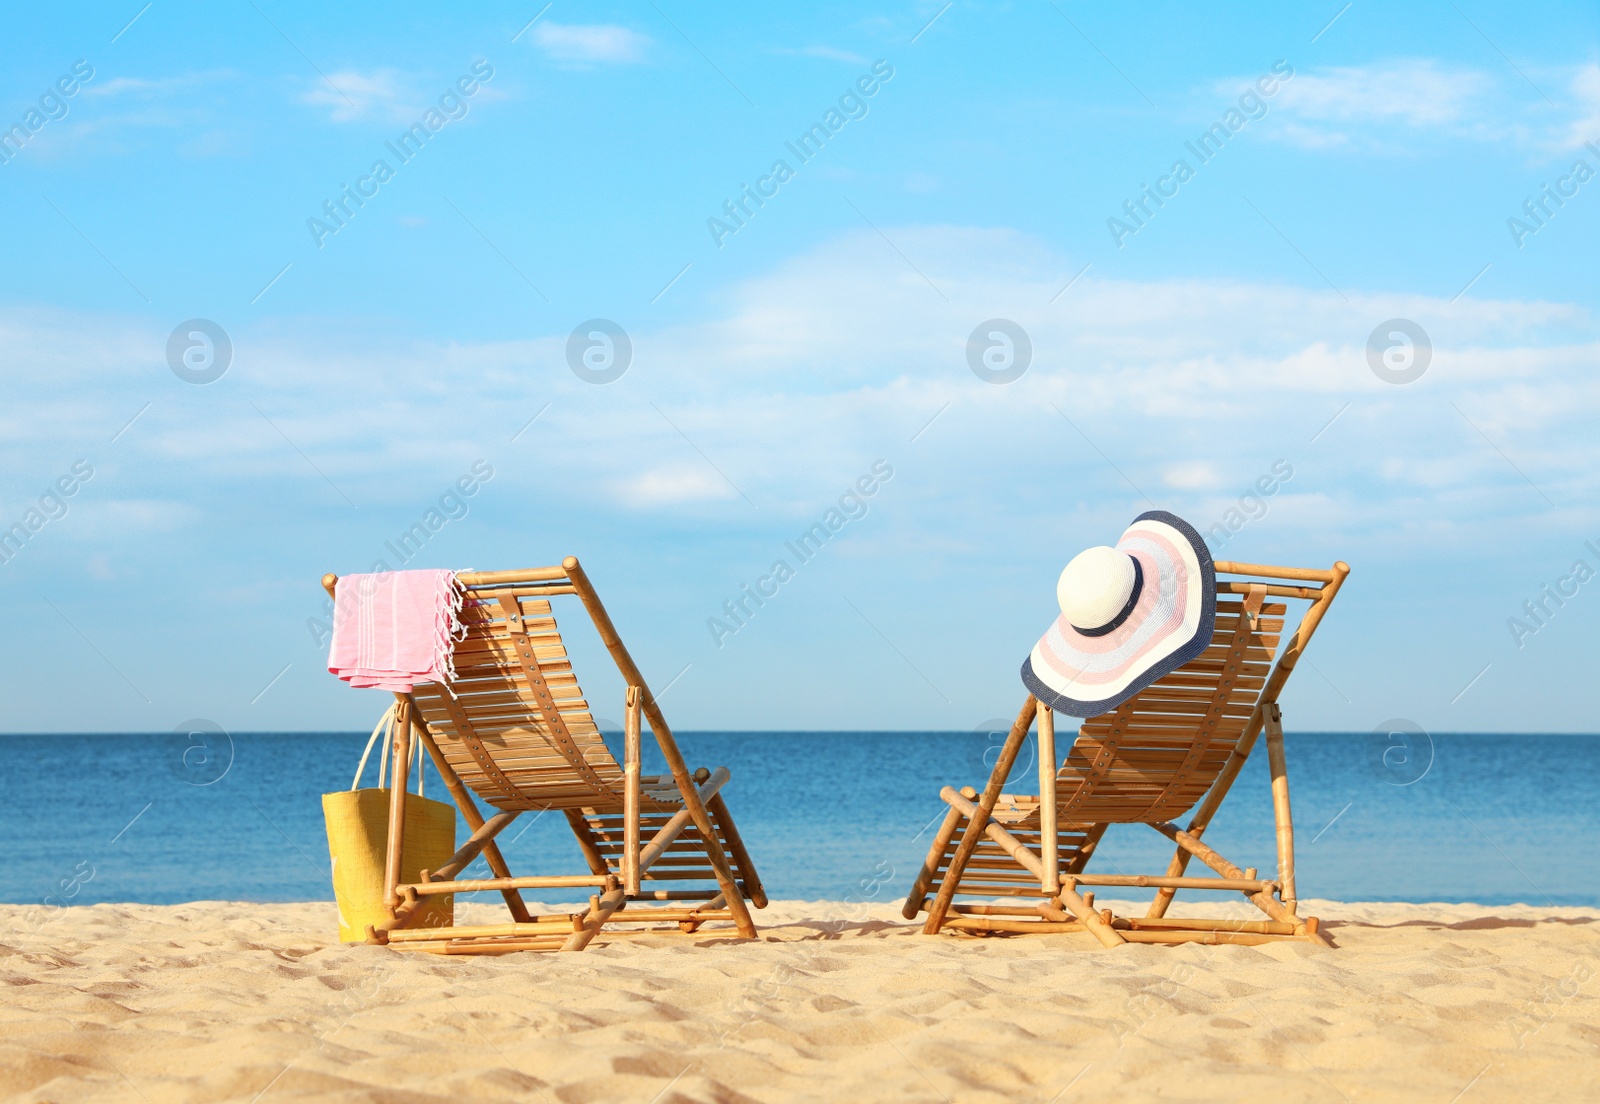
[1129,615]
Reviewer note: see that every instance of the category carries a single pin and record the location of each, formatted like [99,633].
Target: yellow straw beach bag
[358,830]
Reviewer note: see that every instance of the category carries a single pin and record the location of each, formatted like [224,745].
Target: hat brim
[1085,675]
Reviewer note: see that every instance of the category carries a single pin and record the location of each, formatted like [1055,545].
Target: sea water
[832,815]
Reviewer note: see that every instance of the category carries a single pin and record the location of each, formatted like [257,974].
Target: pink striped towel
[396,628]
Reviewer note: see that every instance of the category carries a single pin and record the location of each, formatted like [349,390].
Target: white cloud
[126,110]
[146,89]
[1177,393]
[827,53]
[1586,92]
[1360,106]
[1388,106]
[1190,387]
[354,96]
[1413,91]
[673,487]
[106,518]
[1192,475]
[595,42]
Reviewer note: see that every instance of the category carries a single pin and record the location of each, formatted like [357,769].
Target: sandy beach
[226,1001]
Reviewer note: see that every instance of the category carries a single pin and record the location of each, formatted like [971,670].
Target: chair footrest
[543,927]
[665,915]
[1248,932]
[476,885]
[484,946]
[1155,881]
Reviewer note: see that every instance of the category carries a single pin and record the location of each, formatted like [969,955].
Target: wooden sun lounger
[1181,740]
[520,736]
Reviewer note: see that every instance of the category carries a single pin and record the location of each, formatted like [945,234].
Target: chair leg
[732,893]
[930,865]
[400,765]
[1281,814]
[696,808]
[630,794]
[1049,838]
[973,832]
[749,880]
[952,874]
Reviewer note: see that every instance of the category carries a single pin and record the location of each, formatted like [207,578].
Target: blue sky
[1173,364]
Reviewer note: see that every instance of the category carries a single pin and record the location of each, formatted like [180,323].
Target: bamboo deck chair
[1181,739]
[518,734]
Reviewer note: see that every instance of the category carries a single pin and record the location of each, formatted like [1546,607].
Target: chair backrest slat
[516,695]
[1157,754]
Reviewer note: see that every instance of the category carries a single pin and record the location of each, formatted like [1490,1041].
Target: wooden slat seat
[515,729]
[1176,744]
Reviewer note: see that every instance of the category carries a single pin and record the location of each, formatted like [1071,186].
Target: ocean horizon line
[1288,731]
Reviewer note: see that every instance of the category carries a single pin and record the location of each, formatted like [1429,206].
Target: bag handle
[384,723]
[384,727]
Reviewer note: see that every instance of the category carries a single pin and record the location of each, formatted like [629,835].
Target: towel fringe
[453,599]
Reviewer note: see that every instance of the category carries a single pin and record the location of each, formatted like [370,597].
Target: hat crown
[1095,586]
